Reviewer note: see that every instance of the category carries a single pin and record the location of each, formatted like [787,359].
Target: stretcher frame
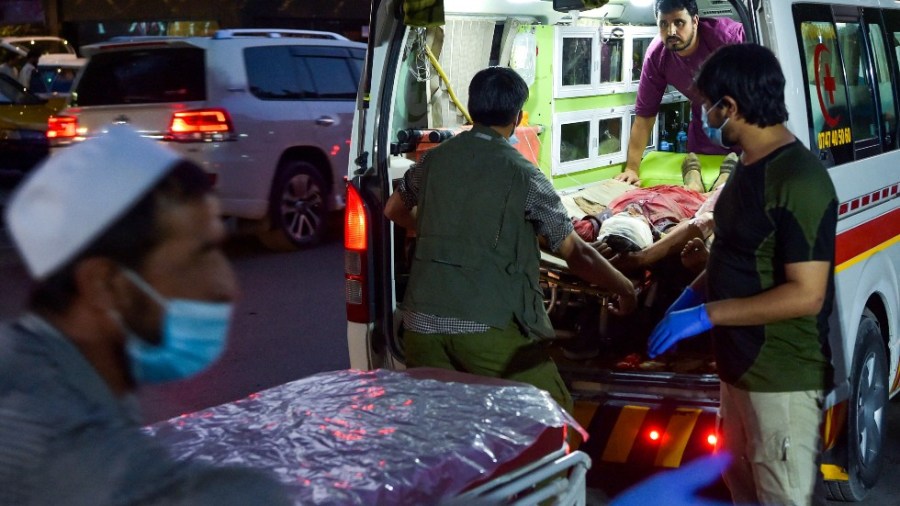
[560,476]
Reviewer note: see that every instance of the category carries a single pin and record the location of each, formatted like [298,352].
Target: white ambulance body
[841,60]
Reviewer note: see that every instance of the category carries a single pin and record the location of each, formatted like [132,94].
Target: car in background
[23,126]
[55,75]
[48,44]
[266,112]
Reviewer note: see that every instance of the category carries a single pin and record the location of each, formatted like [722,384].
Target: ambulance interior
[582,67]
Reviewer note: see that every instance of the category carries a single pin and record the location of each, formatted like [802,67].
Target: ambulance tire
[298,208]
[866,418]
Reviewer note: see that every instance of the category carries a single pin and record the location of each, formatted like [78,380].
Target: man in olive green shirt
[479,208]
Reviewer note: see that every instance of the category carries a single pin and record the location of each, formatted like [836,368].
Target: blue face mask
[193,337]
[513,140]
[714,133]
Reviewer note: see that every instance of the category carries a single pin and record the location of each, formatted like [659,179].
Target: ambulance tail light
[356,245]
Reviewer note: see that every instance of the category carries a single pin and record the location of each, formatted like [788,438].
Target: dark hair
[751,75]
[496,96]
[666,6]
[130,239]
[34,53]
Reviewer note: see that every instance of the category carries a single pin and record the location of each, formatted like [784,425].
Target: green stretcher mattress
[661,167]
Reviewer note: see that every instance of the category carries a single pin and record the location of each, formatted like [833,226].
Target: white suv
[267,113]
[48,44]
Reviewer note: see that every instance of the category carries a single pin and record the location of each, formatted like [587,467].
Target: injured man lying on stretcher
[657,237]
[646,225]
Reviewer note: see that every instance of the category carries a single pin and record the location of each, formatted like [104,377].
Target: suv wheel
[298,208]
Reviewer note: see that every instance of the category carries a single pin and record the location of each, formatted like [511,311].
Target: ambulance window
[862,106]
[827,112]
[496,47]
[885,88]
[892,51]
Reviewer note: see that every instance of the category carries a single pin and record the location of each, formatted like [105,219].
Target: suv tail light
[356,245]
[62,129]
[200,125]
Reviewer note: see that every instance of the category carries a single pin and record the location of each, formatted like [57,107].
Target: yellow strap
[440,71]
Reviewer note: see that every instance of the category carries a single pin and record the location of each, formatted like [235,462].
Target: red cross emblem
[828,83]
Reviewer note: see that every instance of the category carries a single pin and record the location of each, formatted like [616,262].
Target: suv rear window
[143,76]
[45,46]
[303,72]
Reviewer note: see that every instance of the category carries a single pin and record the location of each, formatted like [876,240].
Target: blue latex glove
[676,326]
[678,487]
[688,298]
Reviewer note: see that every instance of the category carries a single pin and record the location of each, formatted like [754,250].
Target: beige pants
[774,438]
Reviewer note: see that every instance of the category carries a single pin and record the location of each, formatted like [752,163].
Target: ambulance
[841,60]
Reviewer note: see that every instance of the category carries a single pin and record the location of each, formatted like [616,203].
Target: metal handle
[325,121]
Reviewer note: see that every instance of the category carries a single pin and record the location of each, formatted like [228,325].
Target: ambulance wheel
[866,418]
[298,211]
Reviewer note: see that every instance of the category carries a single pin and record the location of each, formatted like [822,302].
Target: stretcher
[642,415]
[423,436]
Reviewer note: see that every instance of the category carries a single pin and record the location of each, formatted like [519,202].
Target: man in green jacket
[479,210]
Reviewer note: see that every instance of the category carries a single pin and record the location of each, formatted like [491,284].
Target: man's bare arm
[396,211]
[586,263]
[802,294]
[671,243]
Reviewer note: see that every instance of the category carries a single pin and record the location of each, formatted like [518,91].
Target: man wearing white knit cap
[122,238]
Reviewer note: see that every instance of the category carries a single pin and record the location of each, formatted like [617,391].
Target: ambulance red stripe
[866,236]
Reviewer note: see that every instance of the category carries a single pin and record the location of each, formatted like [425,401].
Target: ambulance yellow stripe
[620,441]
[832,472]
[584,415]
[675,440]
[865,255]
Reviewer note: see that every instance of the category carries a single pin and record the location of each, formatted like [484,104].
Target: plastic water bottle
[681,142]
[665,146]
[523,54]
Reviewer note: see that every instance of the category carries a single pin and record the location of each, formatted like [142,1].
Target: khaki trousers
[775,440]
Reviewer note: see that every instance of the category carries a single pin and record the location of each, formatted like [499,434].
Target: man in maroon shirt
[684,43]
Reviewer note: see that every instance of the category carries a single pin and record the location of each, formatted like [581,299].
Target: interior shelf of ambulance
[594,85]
[583,84]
